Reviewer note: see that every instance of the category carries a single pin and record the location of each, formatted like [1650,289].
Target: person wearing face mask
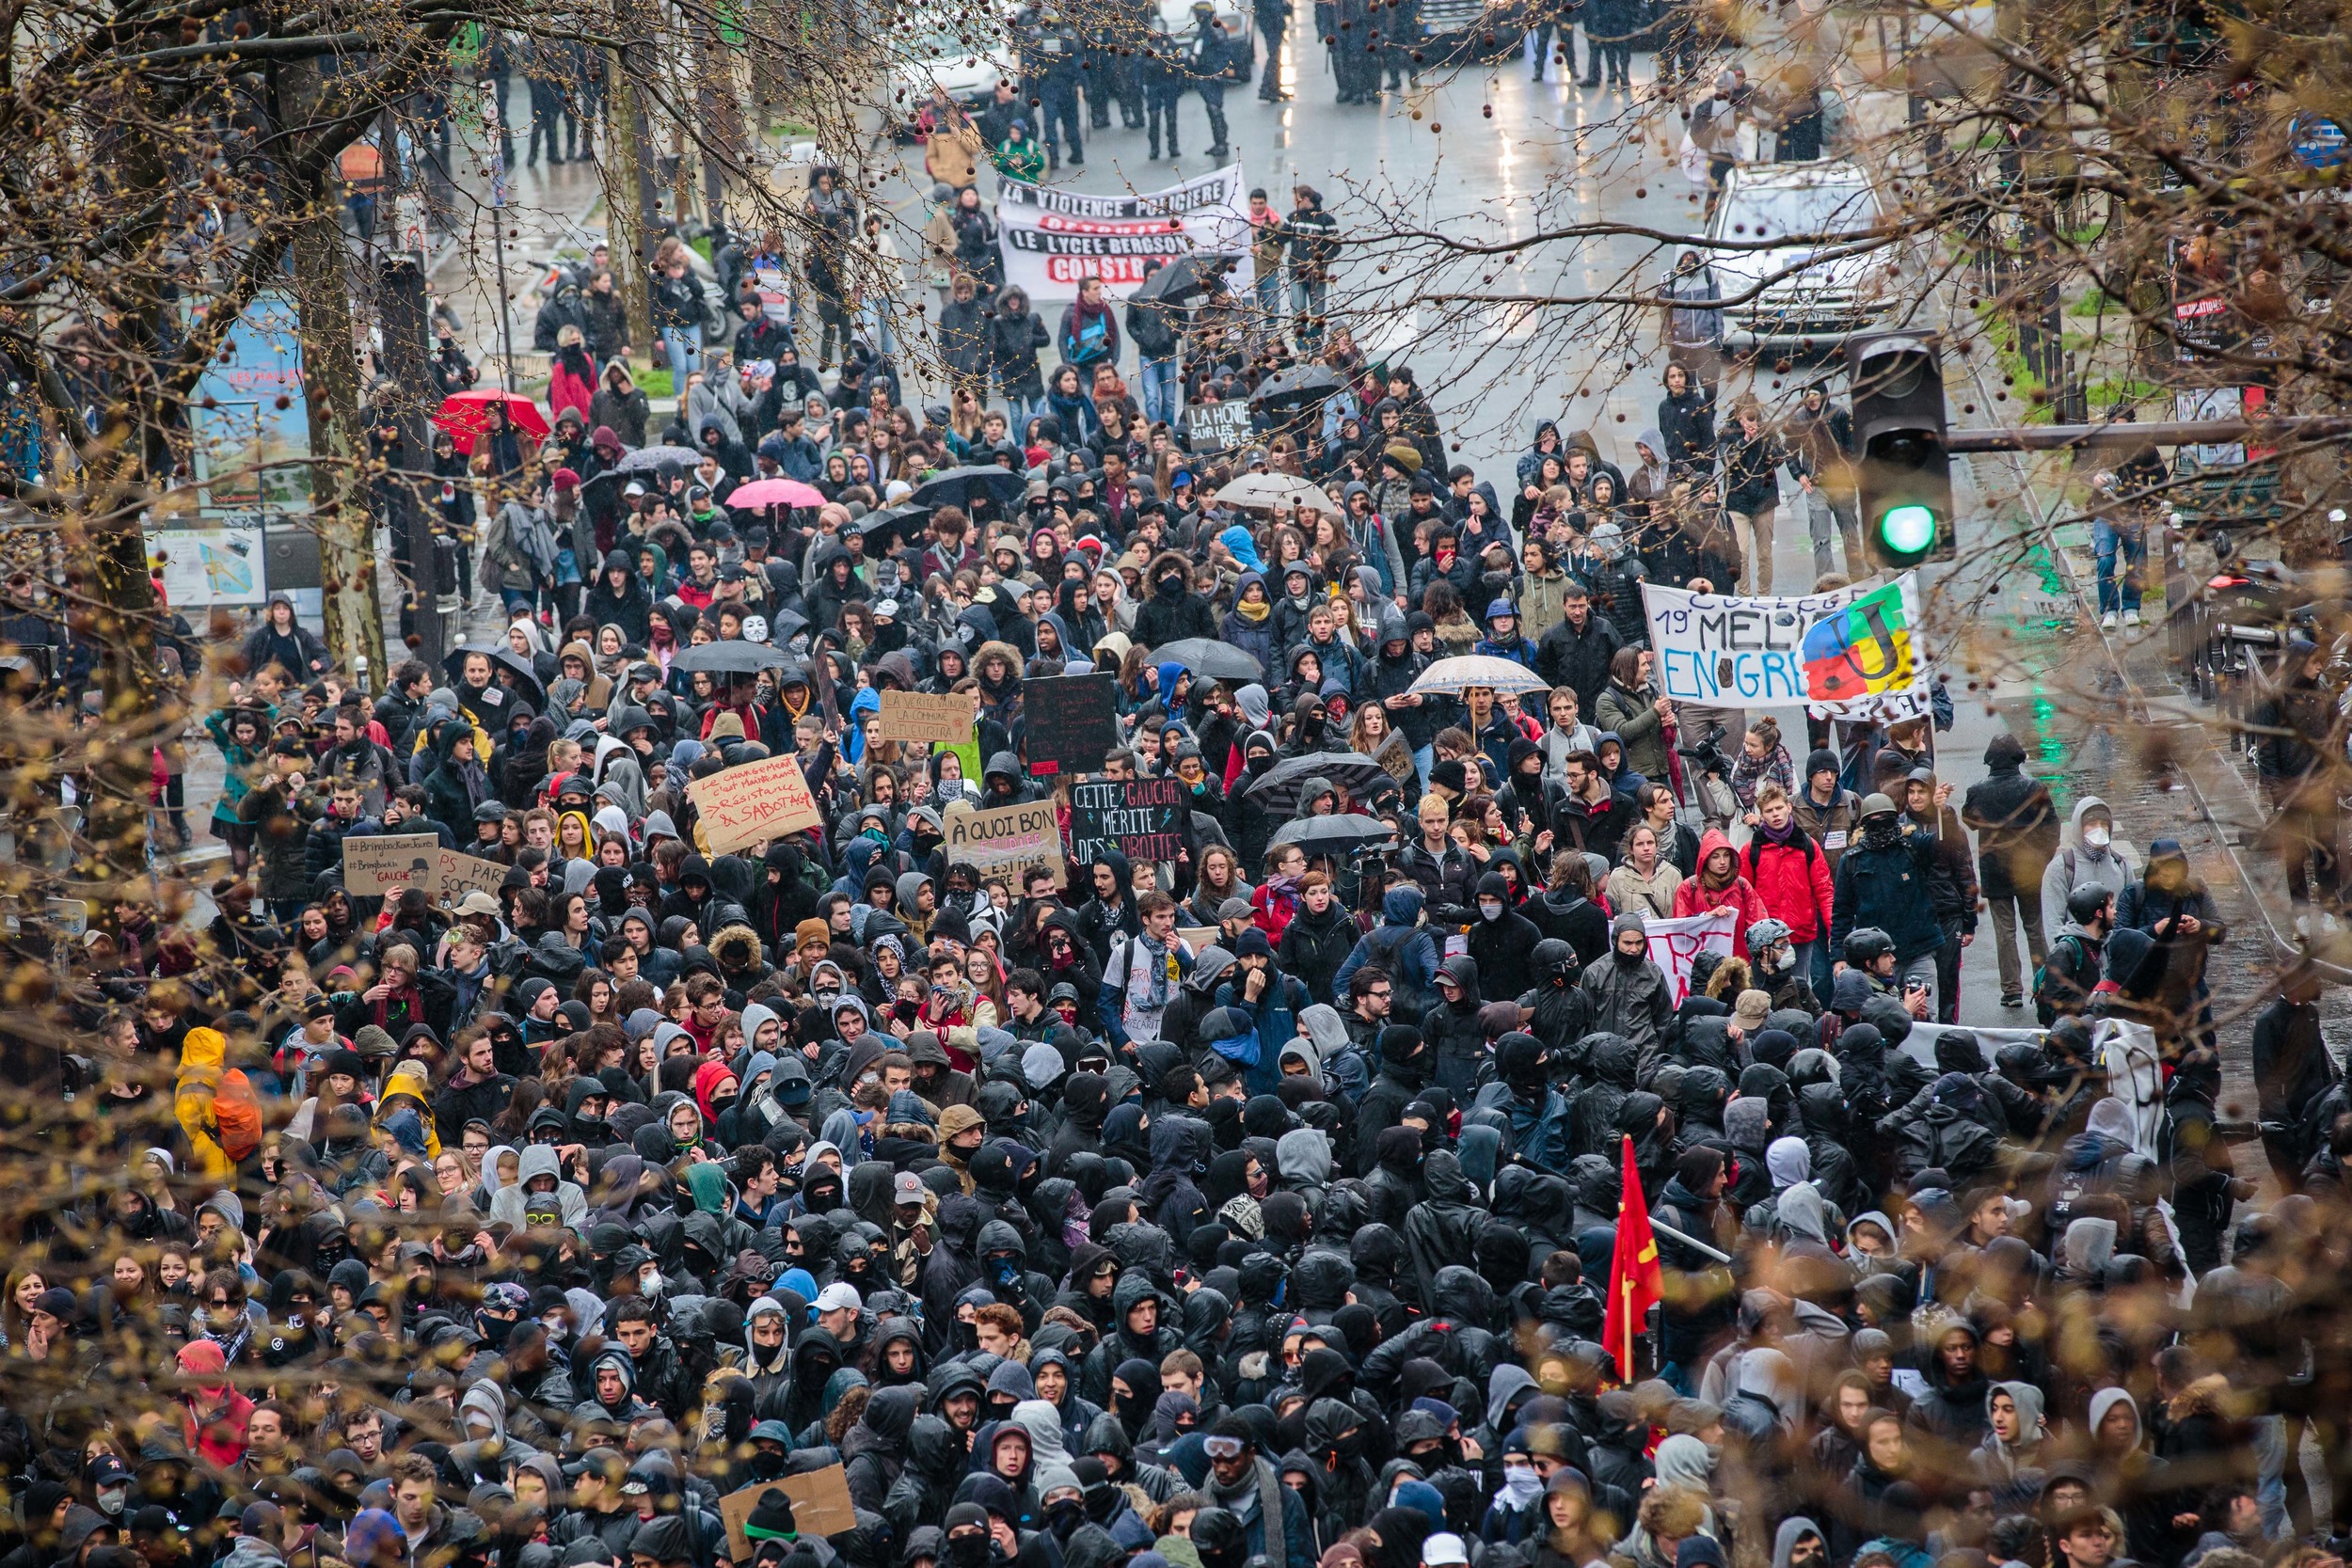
[109,1483]
[971,1543]
[1061,1503]
[1884,881]
[2092,859]
[1335,1440]
[1248,822]
[1173,611]
[1630,993]
[1502,939]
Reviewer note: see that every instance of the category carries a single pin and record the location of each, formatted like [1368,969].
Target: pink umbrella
[775,492]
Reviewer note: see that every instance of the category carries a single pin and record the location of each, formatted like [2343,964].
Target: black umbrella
[1277,791]
[1299,384]
[734,658]
[1219,661]
[957,486]
[907,518]
[1334,835]
[1184,278]
[506,657]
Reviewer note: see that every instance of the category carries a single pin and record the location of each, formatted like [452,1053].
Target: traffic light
[1903,472]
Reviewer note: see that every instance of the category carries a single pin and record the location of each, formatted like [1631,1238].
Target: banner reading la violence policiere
[1050,238]
[1854,652]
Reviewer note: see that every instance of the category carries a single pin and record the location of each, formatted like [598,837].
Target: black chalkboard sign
[1217,426]
[1071,722]
[1141,819]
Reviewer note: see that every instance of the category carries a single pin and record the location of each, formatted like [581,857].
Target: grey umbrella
[1217,661]
[1334,835]
[656,457]
[1277,790]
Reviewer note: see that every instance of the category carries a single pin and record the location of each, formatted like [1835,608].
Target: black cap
[609,1463]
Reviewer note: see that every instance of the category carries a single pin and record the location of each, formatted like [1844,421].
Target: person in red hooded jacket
[1719,885]
[1789,870]
[213,1413]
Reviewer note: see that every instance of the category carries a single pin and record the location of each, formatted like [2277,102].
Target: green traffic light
[1908,530]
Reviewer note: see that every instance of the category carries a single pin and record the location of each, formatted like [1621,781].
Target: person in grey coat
[1631,994]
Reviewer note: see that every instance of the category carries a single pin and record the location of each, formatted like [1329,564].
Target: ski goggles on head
[1222,1448]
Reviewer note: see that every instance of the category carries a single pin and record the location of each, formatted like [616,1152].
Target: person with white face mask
[2092,857]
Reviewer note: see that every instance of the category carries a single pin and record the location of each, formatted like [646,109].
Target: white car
[1812,294]
[967,62]
[1176,20]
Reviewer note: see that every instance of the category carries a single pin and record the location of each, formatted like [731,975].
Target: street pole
[2171,433]
[402,310]
[496,157]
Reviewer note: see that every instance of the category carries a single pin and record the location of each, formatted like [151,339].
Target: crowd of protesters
[1254,1204]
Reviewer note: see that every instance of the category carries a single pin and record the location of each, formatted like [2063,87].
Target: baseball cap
[1444,1547]
[1235,909]
[907,1187]
[838,1297]
[478,902]
[609,1463]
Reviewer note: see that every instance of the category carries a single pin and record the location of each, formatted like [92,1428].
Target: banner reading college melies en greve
[1051,238]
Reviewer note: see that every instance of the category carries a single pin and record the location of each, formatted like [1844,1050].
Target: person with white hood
[2091,856]
[539,1174]
[2010,1455]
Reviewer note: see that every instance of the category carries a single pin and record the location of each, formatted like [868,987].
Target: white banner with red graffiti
[1051,238]
[1673,943]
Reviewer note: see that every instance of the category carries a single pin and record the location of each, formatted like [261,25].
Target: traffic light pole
[2174,432]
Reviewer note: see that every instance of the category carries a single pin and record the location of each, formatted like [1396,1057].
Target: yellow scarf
[1253,614]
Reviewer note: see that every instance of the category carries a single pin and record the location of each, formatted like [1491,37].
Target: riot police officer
[1205,62]
[1273,18]
[1110,72]
[1164,83]
[1052,54]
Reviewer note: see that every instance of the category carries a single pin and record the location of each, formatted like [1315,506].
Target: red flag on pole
[1635,1281]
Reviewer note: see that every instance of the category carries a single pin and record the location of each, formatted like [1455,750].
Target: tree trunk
[339,444]
[627,181]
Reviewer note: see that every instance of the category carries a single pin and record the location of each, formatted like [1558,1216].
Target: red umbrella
[774,492]
[466,415]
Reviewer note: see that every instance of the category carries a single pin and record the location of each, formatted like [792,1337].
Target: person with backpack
[2064,984]
[1790,873]
[1144,968]
[1090,329]
[1402,947]
[2094,859]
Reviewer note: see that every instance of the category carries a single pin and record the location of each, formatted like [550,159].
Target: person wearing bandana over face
[1883,882]
[1173,611]
[1247,820]
[971,1543]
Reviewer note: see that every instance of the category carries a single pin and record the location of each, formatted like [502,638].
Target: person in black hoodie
[1451,1026]
[1318,939]
[1502,939]
[1405,1064]
[619,598]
